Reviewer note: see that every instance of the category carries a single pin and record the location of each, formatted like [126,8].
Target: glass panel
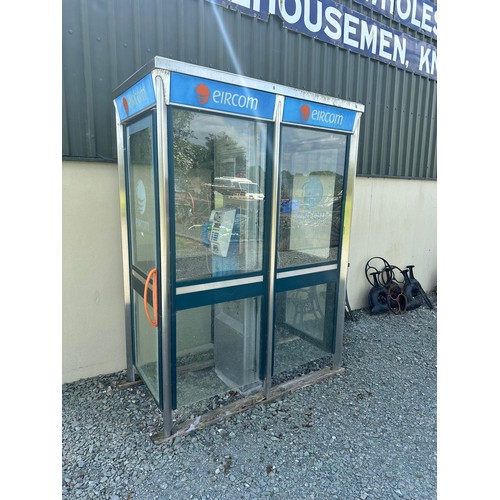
[219,170]
[304,326]
[312,176]
[218,348]
[146,346]
[141,196]
[142,217]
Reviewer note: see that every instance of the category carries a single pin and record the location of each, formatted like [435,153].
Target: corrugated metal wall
[105,41]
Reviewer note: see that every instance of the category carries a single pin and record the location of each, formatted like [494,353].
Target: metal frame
[160,69]
[233,79]
[306,270]
[346,239]
[131,375]
[216,285]
[273,233]
[165,247]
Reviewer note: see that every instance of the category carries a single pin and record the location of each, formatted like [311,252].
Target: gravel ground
[369,433]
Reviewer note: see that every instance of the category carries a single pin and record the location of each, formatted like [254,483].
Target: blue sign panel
[417,14]
[336,24]
[137,98]
[210,94]
[318,115]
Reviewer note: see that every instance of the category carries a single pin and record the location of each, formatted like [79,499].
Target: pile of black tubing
[393,289]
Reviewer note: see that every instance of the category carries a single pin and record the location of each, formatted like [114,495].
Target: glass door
[143,249]
[221,230]
[312,165]
[219,192]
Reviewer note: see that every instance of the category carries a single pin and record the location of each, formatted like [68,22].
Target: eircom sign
[318,115]
[136,99]
[210,94]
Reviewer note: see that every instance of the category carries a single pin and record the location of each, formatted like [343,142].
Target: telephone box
[236,198]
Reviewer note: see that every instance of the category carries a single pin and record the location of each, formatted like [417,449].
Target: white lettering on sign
[350,28]
[236,100]
[137,97]
[403,12]
[327,117]
[385,42]
[420,15]
[314,28]
[332,15]
[428,60]
[288,16]
[368,38]
[335,24]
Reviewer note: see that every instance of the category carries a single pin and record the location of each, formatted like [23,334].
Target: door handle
[151,276]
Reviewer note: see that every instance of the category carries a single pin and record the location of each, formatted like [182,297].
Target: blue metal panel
[318,115]
[199,92]
[136,99]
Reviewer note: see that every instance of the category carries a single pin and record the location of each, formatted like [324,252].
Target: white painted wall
[392,218]
[93,340]
[395,219]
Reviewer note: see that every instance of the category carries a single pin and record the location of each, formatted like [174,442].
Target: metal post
[272,246]
[346,237]
[166,303]
[125,256]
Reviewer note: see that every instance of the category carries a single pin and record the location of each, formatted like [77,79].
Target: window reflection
[142,195]
[312,177]
[219,170]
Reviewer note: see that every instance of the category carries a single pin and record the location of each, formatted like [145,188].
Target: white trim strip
[309,270]
[203,287]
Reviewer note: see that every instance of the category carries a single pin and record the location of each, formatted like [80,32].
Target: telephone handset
[221,231]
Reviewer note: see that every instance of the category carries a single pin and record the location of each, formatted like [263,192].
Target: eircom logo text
[226,98]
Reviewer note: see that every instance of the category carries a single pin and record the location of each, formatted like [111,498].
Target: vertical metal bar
[165,281]
[346,236]
[272,245]
[125,255]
